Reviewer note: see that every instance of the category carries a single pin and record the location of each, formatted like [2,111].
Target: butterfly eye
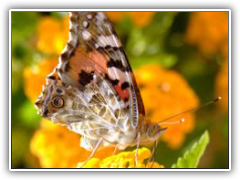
[57,102]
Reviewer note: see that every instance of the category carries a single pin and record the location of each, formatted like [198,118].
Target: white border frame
[139,10]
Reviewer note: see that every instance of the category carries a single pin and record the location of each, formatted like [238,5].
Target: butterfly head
[154,131]
[150,132]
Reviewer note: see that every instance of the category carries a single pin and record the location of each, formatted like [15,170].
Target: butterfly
[93,91]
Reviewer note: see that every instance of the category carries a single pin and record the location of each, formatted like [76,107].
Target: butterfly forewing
[95,49]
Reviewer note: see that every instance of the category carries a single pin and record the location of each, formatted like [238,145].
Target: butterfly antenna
[187,111]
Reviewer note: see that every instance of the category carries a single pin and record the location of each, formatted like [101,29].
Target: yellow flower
[164,94]
[52,35]
[123,160]
[209,31]
[140,19]
[222,86]
[35,77]
[57,147]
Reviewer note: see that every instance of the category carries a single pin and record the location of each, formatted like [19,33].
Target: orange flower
[140,19]
[57,147]
[164,94]
[35,77]
[209,31]
[222,86]
[123,160]
[115,16]
[52,35]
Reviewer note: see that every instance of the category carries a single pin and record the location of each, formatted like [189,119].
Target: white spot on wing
[89,16]
[115,73]
[96,45]
[108,40]
[85,24]
[101,16]
[86,35]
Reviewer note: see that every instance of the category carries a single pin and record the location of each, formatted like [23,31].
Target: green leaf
[191,157]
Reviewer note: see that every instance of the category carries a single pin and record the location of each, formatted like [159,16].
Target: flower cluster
[209,31]
[165,93]
[123,160]
[57,147]
[35,77]
[52,35]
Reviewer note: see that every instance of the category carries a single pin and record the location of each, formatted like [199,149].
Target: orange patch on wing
[89,62]
[123,94]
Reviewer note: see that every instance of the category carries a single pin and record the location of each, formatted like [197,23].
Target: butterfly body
[93,91]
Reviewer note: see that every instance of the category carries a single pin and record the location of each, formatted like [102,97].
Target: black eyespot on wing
[101,50]
[115,82]
[125,99]
[51,77]
[108,47]
[124,85]
[85,78]
[117,48]
[118,64]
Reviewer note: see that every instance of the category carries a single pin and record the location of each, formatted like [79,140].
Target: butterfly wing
[95,49]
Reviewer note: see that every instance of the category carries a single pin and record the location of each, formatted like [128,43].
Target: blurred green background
[191,43]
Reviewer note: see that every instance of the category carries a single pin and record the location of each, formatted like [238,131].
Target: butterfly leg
[93,152]
[136,154]
[153,153]
[115,150]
